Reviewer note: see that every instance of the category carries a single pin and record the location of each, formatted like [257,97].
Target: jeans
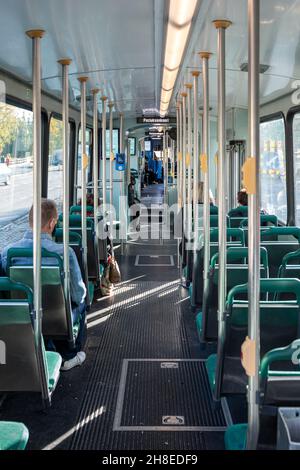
[78,314]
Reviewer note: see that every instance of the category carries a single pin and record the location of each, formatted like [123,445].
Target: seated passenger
[77,287]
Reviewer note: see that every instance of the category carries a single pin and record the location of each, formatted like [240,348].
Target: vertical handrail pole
[65,63]
[36,36]
[122,183]
[221,26]
[95,92]
[195,75]
[111,153]
[111,162]
[104,99]
[164,167]
[205,166]
[183,143]
[254,220]
[178,173]
[189,87]
[84,167]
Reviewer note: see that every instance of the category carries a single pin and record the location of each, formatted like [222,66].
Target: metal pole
[66,175]
[122,193]
[103,99]
[183,143]
[164,167]
[221,26]
[111,153]
[196,158]
[205,165]
[178,173]
[95,92]
[36,36]
[189,87]
[254,221]
[84,167]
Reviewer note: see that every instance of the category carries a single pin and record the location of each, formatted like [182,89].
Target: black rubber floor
[148,317]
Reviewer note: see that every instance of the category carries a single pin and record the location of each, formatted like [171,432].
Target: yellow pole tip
[111,104]
[189,86]
[184,94]
[65,61]
[94,91]
[35,33]
[83,79]
[205,54]
[195,73]
[103,98]
[222,24]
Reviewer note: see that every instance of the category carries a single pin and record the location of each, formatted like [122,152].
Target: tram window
[296,153]
[55,162]
[16,162]
[273,168]
[115,142]
[88,140]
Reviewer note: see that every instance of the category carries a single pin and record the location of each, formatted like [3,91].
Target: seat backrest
[240,211]
[279,326]
[273,239]
[77,209]
[19,369]
[57,314]
[92,247]
[264,220]
[214,221]
[233,235]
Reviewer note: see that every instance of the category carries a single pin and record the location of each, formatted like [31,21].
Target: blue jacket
[77,286]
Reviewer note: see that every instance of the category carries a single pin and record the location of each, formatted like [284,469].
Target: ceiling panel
[111,41]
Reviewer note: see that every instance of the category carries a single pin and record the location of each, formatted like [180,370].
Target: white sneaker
[75,361]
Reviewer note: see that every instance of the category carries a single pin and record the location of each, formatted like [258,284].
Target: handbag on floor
[114,271]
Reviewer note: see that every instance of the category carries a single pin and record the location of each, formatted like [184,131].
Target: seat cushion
[91,288]
[211,366]
[236,437]
[13,436]
[54,362]
[199,323]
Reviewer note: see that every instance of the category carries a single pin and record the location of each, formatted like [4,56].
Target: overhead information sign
[156,120]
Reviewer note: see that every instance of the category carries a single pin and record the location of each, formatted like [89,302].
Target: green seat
[279,326]
[235,237]
[22,348]
[13,436]
[236,216]
[236,437]
[57,311]
[264,220]
[96,248]
[237,272]
[279,241]
[77,209]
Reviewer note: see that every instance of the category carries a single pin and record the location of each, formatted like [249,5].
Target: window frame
[290,152]
[269,118]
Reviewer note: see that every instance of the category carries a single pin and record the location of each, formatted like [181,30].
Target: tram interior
[143,156]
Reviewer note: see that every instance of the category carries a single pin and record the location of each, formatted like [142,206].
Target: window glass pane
[16,163]
[132,146]
[273,168]
[296,151]
[55,162]
[115,142]
[89,137]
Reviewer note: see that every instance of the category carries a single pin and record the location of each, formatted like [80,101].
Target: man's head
[49,216]
[242,197]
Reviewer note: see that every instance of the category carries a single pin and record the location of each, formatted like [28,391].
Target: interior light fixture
[181,14]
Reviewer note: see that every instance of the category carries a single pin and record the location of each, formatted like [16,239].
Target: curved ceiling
[119,45]
[279,48]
